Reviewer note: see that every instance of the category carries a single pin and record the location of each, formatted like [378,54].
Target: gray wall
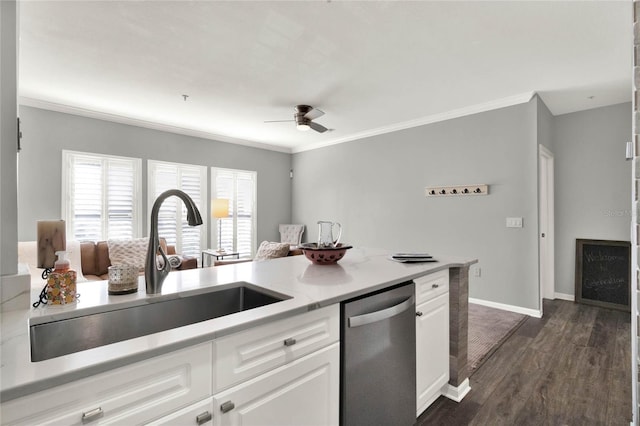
[47,133]
[545,126]
[593,183]
[8,130]
[375,188]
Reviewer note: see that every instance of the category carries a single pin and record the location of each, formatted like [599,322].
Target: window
[172,218]
[239,229]
[100,196]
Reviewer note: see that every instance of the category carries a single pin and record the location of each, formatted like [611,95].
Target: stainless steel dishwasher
[378,359]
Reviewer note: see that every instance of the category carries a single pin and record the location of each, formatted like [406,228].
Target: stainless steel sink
[56,338]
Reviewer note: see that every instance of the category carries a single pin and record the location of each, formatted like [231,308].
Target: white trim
[115,118]
[546,223]
[517,309]
[456,394]
[564,296]
[521,98]
[456,113]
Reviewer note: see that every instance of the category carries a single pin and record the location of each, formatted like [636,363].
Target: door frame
[546,225]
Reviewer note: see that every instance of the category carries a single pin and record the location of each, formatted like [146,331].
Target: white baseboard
[456,394]
[517,309]
[563,296]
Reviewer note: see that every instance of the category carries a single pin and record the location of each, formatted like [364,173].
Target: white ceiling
[370,66]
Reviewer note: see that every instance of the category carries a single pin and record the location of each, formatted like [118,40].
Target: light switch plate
[514,222]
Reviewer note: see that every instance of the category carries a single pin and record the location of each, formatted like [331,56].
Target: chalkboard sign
[603,273]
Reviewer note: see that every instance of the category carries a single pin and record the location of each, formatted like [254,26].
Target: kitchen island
[310,288]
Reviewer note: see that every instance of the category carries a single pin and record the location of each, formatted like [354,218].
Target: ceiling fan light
[303,127]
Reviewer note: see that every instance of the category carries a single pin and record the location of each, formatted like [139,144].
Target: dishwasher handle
[383,314]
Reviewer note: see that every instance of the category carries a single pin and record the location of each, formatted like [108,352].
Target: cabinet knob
[435,285]
[290,341]
[203,418]
[92,415]
[418,313]
[227,406]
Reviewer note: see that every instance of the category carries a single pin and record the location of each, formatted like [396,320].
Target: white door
[546,229]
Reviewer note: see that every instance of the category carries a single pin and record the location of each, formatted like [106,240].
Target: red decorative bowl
[324,255]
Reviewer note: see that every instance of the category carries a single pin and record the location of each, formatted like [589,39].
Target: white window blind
[172,218]
[239,229]
[100,196]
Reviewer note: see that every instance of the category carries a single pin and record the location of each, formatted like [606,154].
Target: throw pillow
[128,252]
[269,250]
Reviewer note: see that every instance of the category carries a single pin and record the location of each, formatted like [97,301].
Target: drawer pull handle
[418,313]
[290,341]
[204,417]
[227,406]
[435,285]
[92,415]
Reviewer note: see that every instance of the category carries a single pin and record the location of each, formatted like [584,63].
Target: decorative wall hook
[439,191]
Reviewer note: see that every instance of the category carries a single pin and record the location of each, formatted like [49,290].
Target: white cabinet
[302,392]
[128,395]
[432,338]
[282,373]
[248,353]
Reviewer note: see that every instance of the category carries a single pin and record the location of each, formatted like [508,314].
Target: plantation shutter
[238,230]
[172,217]
[100,196]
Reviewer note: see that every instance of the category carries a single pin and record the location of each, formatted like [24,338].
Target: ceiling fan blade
[313,114]
[318,127]
[278,121]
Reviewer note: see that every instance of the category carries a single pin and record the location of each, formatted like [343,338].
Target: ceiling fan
[304,117]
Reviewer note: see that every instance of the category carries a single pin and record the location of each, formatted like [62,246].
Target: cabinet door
[198,414]
[432,349]
[303,392]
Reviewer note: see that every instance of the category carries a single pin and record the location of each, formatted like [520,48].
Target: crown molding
[83,112]
[521,98]
[461,112]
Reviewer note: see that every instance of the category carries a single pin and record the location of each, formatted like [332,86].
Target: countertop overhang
[310,286]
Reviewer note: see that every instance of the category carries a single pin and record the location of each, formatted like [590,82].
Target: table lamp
[220,210]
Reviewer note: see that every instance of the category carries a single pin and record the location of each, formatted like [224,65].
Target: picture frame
[603,273]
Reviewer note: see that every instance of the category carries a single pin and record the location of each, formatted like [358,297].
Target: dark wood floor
[573,367]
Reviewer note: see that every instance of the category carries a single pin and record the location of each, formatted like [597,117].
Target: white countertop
[310,286]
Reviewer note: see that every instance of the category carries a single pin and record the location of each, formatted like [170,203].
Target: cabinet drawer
[249,353]
[432,285]
[128,395]
[198,414]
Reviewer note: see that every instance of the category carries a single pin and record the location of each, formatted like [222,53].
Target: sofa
[95,259]
[267,250]
[90,260]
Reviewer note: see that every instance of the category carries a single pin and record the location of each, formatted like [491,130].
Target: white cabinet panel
[432,349]
[127,395]
[432,285]
[303,392]
[249,353]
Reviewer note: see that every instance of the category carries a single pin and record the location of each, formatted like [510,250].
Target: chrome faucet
[155,274]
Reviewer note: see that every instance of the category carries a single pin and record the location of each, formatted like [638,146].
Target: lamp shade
[51,238]
[220,208]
